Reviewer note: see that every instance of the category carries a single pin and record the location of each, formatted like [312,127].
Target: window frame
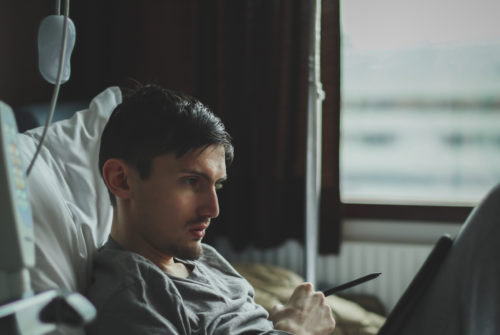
[406,212]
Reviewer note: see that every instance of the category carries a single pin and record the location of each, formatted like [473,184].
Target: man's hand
[306,313]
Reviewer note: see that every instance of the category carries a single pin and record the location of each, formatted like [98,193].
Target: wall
[116,42]
[20,81]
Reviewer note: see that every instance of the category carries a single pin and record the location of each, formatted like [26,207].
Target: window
[420,90]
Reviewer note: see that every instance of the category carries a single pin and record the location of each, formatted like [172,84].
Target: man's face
[172,208]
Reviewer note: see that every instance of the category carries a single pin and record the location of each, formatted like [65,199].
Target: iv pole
[315,99]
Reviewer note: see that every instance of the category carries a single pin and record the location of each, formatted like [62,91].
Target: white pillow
[71,209]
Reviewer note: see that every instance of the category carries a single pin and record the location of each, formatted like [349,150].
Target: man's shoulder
[126,289]
[119,265]
[112,259]
[212,257]
[115,270]
[209,250]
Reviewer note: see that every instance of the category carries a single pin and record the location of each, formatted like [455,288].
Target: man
[163,157]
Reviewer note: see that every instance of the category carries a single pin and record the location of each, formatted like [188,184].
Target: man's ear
[116,175]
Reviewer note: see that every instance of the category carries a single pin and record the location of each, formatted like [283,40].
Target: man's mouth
[198,230]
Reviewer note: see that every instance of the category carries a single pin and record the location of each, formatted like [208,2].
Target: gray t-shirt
[134,296]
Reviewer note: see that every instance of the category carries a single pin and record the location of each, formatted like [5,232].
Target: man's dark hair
[152,121]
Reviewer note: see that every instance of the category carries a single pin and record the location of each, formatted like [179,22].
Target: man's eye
[190,180]
[219,186]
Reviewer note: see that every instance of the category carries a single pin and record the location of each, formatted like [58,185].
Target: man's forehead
[206,159]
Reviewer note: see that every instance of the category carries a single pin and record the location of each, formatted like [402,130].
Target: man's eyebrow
[204,175]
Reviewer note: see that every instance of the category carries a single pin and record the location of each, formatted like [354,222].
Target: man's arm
[306,313]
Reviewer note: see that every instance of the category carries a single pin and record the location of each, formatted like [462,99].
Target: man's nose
[210,205]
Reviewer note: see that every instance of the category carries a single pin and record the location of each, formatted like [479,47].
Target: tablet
[425,275]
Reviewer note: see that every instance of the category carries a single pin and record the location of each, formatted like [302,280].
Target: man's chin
[189,253]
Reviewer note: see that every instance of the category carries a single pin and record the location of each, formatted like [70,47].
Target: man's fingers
[301,294]
[277,308]
[305,313]
[318,298]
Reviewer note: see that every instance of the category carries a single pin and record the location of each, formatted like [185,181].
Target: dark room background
[247,60]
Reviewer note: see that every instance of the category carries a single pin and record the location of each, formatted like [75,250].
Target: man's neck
[129,242]
[179,269]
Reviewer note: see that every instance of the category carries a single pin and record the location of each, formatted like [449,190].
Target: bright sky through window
[420,120]
[399,24]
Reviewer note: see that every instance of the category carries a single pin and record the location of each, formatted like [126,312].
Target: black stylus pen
[351,284]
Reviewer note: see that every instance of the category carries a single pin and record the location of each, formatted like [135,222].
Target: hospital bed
[71,217]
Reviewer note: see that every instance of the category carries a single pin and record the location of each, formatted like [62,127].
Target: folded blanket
[275,285]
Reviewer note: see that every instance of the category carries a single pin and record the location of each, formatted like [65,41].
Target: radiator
[397,262]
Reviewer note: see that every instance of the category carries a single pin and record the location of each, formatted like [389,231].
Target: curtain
[247,59]
[253,72]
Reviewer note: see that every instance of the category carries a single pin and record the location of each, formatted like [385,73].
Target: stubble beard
[188,253]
